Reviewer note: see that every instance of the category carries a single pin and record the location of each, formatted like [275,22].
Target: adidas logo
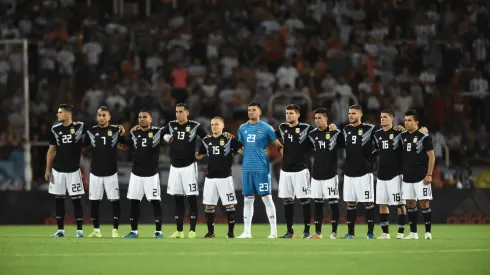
[60,133]
[97,134]
[175,128]
[210,143]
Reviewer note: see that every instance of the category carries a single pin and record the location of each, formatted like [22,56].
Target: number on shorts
[263,187]
[192,187]
[305,190]
[354,139]
[155,192]
[424,191]
[230,196]
[76,187]
[366,194]
[409,147]
[396,197]
[331,190]
[180,135]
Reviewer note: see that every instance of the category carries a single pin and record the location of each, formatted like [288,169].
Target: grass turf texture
[455,249]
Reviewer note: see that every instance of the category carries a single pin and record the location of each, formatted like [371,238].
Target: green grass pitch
[455,249]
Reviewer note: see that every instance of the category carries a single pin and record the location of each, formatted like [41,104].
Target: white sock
[158,232]
[270,208]
[97,229]
[61,230]
[248,213]
[81,231]
[135,231]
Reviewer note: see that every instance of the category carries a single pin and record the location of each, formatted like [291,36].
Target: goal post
[6,43]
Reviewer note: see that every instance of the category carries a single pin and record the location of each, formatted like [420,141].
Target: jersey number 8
[409,147]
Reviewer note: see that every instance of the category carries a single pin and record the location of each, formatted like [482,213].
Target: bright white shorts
[62,182]
[389,191]
[97,185]
[144,186]
[294,184]
[325,189]
[183,181]
[359,189]
[416,191]
[219,188]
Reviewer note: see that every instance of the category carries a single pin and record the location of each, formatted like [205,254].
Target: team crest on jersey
[258,133]
[297,130]
[415,140]
[72,131]
[188,128]
[109,133]
[360,132]
[327,136]
[222,142]
[150,135]
[391,136]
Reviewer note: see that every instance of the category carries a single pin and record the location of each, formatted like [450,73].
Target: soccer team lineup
[404,152]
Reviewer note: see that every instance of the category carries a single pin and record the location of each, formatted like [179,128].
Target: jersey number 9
[354,139]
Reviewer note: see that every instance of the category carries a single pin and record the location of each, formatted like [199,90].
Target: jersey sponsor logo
[150,135]
[109,133]
[72,131]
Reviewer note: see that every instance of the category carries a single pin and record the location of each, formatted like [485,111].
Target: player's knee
[401,209]
[411,204]
[369,205]
[304,201]
[424,203]
[351,204]
[210,206]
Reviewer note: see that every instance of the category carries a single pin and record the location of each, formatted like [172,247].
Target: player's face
[217,126]
[291,116]
[354,115]
[103,117]
[253,112]
[386,120]
[181,114]
[410,123]
[63,115]
[144,120]
[321,121]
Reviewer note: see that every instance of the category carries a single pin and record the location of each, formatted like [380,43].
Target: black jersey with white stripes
[184,137]
[220,151]
[358,149]
[103,143]
[388,146]
[146,151]
[68,141]
[297,146]
[325,156]
[415,158]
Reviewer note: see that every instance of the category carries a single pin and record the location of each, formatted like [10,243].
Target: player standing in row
[103,140]
[358,176]
[63,167]
[388,187]
[418,164]
[325,181]
[294,180]
[219,182]
[255,135]
[182,179]
[145,179]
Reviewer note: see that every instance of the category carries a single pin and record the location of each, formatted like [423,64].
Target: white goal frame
[27,136]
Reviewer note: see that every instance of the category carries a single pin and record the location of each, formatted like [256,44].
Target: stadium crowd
[429,55]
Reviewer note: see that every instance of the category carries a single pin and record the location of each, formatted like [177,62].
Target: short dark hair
[356,107]
[104,108]
[182,105]
[389,111]
[255,104]
[413,113]
[146,111]
[66,107]
[321,111]
[219,118]
[293,107]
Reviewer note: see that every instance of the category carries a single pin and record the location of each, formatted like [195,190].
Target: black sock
[401,223]
[289,215]
[383,220]
[231,219]
[77,208]
[210,213]
[412,219]
[192,212]
[179,212]
[334,205]
[94,213]
[318,215]
[135,214]
[116,213]
[370,217]
[351,219]
[157,213]
[427,213]
[60,212]
[305,203]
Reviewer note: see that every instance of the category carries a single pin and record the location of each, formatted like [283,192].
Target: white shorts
[294,184]
[96,186]
[325,189]
[144,186]
[61,182]
[359,189]
[389,191]
[416,191]
[183,181]
[215,189]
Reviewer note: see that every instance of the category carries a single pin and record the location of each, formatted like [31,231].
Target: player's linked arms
[199,156]
[122,130]
[332,127]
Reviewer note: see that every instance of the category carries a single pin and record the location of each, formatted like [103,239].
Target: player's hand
[240,151]
[47,176]
[424,130]
[428,180]
[399,128]
[122,130]
[135,128]
[168,138]
[266,151]
[122,147]
[281,151]
[332,127]
[228,135]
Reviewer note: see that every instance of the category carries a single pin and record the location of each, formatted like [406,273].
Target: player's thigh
[382,196]
[135,188]
[111,186]
[286,189]
[57,185]
[188,177]
[365,188]
[95,187]
[74,183]
[248,186]
[151,187]
[316,189]
[210,194]
[408,191]
[301,184]
[262,183]
[174,184]
[330,188]
[422,191]
[349,191]
[394,191]
[226,191]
